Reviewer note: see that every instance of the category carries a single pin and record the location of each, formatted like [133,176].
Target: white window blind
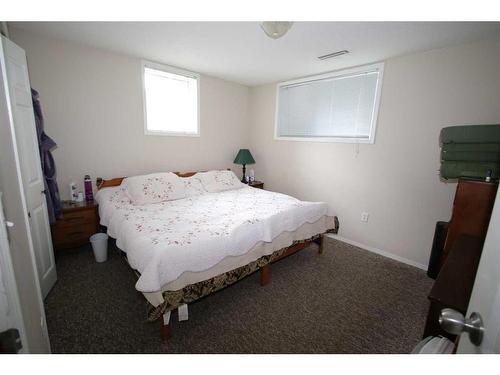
[170,101]
[340,106]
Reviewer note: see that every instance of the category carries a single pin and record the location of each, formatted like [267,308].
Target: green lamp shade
[244,157]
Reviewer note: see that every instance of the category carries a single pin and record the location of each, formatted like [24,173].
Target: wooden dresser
[471,211]
[453,286]
[80,220]
[458,262]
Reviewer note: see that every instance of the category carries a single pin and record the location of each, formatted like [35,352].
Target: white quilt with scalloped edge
[163,240]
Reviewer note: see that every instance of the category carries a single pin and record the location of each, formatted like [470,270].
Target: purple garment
[45,143]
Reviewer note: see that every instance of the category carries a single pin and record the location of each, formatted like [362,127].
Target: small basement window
[340,106]
[171,100]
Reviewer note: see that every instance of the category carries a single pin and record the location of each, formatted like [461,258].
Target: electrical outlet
[364,217]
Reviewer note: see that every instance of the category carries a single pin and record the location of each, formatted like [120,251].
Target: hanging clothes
[45,144]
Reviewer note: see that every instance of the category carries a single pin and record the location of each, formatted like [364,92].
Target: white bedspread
[163,240]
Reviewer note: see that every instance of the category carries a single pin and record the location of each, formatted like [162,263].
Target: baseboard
[379,252]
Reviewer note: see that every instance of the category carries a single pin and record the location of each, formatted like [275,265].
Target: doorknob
[454,322]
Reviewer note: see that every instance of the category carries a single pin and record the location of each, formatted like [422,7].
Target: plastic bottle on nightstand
[89,196]
[72,191]
[251,176]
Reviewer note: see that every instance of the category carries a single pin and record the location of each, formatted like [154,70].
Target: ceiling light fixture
[333,54]
[275,29]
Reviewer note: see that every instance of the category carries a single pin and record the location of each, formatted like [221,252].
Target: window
[334,107]
[170,101]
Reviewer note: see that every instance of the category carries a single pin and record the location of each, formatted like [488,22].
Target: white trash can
[99,243]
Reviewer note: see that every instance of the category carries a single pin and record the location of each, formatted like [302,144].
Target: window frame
[335,74]
[173,70]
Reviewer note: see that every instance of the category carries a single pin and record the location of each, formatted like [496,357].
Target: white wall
[92,103]
[396,179]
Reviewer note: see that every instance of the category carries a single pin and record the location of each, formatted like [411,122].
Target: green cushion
[471,134]
[470,151]
[470,156]
[456,169]
[473,147]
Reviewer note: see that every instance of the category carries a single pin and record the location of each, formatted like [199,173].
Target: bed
[210,236]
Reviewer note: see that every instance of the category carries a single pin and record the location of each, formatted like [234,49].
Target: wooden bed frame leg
[321,243]
[165,332]
[265,275]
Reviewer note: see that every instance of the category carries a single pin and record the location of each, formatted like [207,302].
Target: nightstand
[257,184]
[80,221]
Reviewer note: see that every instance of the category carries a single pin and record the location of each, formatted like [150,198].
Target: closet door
[22,117]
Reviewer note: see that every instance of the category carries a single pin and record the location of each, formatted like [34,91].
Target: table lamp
[244,157]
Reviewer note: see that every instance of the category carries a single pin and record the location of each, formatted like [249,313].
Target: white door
[485,298]
[31,172]
[10,308]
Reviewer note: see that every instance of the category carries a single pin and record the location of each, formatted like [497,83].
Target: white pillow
[216,181]
[193,186]
[154,188]
[114,194]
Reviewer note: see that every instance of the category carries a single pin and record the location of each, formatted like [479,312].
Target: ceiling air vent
[333,54]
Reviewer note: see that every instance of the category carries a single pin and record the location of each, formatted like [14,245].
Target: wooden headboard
[117,181]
